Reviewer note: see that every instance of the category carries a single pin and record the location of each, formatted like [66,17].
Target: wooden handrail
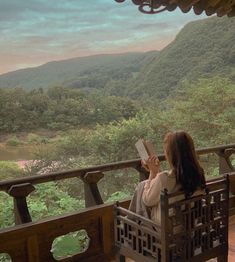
[135,163]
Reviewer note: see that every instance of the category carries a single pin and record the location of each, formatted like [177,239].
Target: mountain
[84,72]
[203,48]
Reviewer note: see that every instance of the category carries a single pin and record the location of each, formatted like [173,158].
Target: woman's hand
[152,164]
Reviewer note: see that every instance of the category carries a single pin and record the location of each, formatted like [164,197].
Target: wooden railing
[32,241]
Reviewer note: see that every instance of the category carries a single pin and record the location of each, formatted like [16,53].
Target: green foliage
[6,207]
[13,141]
[114,141]
[233,162]
[215,172]
[36,139]
[206,110]
[70,244]
[119,195]
[9,170]
[58,109]
[49,199]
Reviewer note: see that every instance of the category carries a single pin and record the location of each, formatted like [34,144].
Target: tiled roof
[210,7]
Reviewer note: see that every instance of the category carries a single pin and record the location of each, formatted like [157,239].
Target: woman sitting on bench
[185,174]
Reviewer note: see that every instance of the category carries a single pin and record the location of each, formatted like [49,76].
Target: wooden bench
[193,229]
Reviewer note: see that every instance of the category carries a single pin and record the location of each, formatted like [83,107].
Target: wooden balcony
[32,241]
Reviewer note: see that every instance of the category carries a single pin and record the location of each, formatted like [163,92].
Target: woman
[185,172]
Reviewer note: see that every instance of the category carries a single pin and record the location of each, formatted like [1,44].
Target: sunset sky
[34,32]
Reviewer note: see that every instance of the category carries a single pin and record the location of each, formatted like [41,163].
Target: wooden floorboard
[231,255]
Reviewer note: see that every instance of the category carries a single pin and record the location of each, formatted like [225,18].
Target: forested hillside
[89,73]
[59,109]
[203,48]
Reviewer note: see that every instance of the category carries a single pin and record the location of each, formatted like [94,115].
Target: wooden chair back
[191,229]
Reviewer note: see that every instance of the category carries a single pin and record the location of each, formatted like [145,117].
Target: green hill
[203,48]
[84,72]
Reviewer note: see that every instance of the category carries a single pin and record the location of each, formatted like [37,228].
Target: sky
[34,32]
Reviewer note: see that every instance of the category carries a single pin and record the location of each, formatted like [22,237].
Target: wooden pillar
[19,194]
[92,194]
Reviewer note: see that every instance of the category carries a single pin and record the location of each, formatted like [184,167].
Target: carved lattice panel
[138,235]
[197,225]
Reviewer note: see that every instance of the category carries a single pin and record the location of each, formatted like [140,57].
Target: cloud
[37,31]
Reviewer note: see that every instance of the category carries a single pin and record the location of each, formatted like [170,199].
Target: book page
[140,146]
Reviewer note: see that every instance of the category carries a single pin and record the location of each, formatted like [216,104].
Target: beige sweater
[152,191]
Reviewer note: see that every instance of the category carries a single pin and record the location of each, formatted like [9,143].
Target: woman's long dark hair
[182,157]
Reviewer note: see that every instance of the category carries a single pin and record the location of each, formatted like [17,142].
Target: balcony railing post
[92,193]
[19,194]
[225,165]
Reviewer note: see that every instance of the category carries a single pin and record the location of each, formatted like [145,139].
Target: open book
[145,149]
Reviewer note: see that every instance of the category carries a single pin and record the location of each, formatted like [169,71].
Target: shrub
[13,141]
[9,169]
[34,138]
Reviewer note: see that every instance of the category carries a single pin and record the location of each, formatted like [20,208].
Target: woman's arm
[152,189]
